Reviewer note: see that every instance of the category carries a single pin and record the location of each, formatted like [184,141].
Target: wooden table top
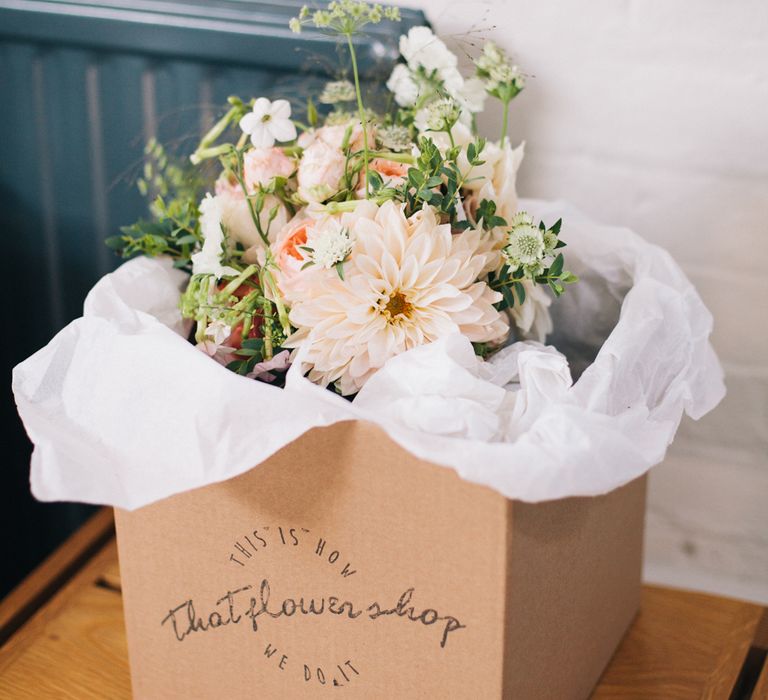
[71,643]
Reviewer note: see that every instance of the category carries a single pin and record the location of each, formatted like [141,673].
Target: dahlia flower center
[398,305]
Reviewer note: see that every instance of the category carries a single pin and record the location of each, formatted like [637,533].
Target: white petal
[281,109]
[249,122]
[283,130]
[261,107]
[261,137]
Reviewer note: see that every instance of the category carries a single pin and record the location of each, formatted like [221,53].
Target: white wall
[654,114]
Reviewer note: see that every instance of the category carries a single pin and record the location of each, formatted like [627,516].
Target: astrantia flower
[442,114]
[269,122]
[337,91]
[407,282]
[502,78]
[395,138]
[525,246]
[208,260]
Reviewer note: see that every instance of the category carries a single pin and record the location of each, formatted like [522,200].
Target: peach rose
[288,254]
[260,165]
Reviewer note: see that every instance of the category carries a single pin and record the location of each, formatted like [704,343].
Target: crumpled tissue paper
[122,410]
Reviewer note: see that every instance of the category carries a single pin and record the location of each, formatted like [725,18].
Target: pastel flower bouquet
[363,256]
[360,234]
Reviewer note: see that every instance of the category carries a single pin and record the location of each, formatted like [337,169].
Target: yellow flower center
[398,305]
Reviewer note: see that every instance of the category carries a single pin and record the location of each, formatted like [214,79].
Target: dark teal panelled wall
[83,85]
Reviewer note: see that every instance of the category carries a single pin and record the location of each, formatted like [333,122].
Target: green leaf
[340,269]
[557,266]
[375,181]
[520,292]
[311,112]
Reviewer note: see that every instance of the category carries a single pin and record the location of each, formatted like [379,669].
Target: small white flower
[332,246]
[402,85]
[525,246]
[269,122]
[207,261]
[217,332]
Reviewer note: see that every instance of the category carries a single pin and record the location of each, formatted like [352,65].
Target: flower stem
[505,122]
[202,154]
[360,109]
[395,157]
[282,313]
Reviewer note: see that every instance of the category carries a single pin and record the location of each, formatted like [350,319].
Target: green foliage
[486,215]
[174,188]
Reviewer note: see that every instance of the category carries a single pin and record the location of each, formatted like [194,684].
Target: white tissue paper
[123,410]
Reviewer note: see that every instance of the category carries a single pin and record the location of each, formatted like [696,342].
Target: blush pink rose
[236,215]
[321,171]
[260,165]
[334,136]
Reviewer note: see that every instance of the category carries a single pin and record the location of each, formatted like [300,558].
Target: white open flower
[269,122]
[402,85]
[207,261]
[421,48]
[407,282]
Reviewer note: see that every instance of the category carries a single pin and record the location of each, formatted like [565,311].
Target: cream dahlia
[408,281]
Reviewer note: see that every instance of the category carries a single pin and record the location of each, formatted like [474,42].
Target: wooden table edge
[64,563]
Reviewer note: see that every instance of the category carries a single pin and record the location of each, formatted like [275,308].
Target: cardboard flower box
[344,562]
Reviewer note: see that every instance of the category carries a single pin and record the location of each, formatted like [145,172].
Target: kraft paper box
[343,563]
